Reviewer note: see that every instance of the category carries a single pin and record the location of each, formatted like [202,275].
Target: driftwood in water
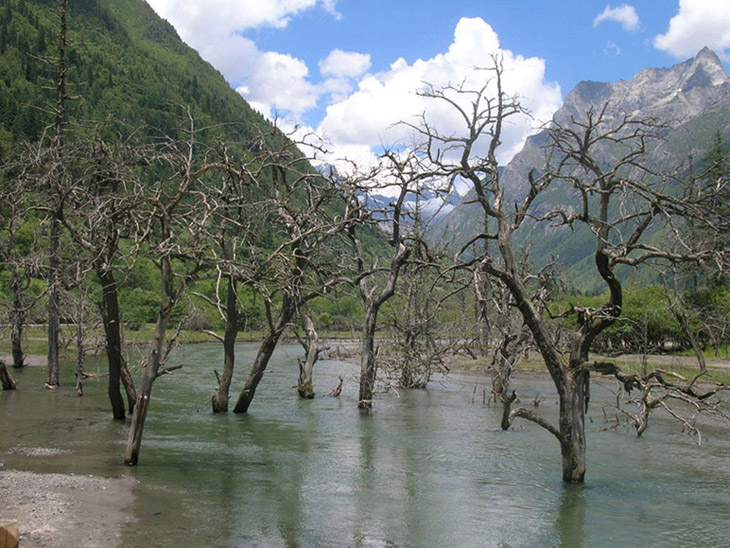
[337,390]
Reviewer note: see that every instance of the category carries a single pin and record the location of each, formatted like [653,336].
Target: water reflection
[570,525]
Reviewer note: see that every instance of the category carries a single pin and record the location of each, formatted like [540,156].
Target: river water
[427,468]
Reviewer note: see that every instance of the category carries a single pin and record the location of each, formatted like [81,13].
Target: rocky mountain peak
[704,70]
[680,88]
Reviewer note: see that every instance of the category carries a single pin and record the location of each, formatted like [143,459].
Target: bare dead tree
[236,228]
[78,305]
[18,250]
[98,213]
[423,341]
[681,315]
[308,214]
[618,200]
[400,174]
[512,343]
[163,221]
[56,179]
[312,349]
[682,398]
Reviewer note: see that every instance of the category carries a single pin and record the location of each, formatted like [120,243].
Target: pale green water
[428,468]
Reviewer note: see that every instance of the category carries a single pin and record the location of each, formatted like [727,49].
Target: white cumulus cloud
[368,118]
[203,21]
[216,29]
[698,23]
[363,108]
[277,80]
[624,14]
[344,63]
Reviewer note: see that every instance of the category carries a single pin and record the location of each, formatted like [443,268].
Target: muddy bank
[31,360]
[65,510]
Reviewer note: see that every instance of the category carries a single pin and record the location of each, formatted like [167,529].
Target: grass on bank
[35,338]
[35,343]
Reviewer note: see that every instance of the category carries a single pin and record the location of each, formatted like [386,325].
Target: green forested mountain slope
[125,62]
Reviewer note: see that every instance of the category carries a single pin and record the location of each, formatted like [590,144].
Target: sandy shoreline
[65,509]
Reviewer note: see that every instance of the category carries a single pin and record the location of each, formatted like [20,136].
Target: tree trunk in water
[5,379]
[573,404]
[484,326]
[128,383]
[263,356]
[112,329]
[507,401]
[80,351]
[368,365]
[306,366]
[54,248]
[139,415]
[220,400]
[18,321]
[53,304]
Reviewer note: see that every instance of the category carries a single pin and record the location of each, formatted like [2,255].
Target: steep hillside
[125,61]
[693,97]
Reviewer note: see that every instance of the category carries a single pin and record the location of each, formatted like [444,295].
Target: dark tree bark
[80,349]
[5,379]
[111,319]
[268,345]
[54,251]
[368,362]
[54,325]
[18,315]
[220,400]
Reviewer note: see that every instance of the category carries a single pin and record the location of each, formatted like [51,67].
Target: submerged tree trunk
[170,296]
[268,345]
[16,336]
[54,248]
[573,405]
[5,379]
[220,400]
[53,304]
[305,387]
[368,363]
[80,350]
[111,318]
[139,415]
[128,383]
[507,401]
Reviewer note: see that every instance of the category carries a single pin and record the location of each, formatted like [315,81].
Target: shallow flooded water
[427,468]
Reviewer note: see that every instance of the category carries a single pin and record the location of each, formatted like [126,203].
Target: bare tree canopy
[616,196]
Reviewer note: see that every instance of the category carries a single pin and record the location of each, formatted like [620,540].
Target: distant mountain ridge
[693,96]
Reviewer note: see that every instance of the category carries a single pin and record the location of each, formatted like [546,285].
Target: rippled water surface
[427,468]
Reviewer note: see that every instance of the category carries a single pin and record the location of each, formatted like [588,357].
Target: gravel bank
[65,510]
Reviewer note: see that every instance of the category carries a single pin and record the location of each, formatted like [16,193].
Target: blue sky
[349,69]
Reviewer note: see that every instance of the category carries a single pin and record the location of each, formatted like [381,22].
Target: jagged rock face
[675,93]
[693,97]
